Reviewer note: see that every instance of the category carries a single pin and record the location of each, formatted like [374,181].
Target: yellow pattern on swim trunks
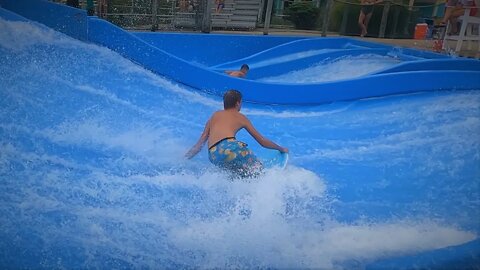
[230,155]
[212,150]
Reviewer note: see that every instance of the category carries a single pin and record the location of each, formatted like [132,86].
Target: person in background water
[224,150]
[366,12]
[242,73]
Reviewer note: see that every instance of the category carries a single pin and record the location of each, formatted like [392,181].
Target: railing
[392,18]
[166,15]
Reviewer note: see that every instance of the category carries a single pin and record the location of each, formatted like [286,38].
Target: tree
[303,15]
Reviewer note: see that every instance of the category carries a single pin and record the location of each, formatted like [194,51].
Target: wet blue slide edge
[211,52]
[199,76]
[205,79]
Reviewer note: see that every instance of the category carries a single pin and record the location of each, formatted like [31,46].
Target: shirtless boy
[242,73]
[224,150]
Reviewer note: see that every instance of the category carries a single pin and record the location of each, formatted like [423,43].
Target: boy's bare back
[235,73]
[224,124]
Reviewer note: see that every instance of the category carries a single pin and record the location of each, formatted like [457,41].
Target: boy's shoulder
[241,115]
[216,113]
[228,113]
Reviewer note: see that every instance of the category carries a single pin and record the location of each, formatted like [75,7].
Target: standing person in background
[183,5]
[455,9]
[102,8]
[366,12]
[90,8]
[220,5]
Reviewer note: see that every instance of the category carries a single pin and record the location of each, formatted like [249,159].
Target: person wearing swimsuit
[224,150]
[235,157]
[367,9]
[242,73]
[455,9]
[220,5]
[366,12]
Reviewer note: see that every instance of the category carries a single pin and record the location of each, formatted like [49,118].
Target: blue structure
[219,52]
[91,147]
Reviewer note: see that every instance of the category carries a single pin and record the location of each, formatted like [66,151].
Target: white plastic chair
[467,31]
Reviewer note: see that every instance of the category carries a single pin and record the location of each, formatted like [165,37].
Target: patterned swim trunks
[235,156]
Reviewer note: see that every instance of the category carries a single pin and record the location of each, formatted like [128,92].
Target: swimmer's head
[231,98]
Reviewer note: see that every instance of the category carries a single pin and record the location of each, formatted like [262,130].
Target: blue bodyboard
[273,158]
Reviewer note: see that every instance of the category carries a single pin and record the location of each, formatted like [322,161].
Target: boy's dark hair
[245,66]
[230,98]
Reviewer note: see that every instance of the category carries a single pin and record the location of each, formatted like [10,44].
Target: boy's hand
[284,150]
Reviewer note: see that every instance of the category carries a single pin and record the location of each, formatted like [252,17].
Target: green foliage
[336,15]
[280,21]
[303,14]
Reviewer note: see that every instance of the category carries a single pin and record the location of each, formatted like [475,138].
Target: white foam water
[334,70]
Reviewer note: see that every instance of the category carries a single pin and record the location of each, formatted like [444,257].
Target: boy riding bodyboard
[224,150]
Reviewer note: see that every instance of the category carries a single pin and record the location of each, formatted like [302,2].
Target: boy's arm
[201,141]
[262,140]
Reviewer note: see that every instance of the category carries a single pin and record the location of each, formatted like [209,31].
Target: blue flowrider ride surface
[92,173]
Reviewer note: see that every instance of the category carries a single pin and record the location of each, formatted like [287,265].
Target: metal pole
[396,14]
[207,17]
[173,13]
[154,15]
[268,17]
[410,9]
[383,23]
[326,17]
[343,25]
[435,8]
[260,11]
[410,4]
